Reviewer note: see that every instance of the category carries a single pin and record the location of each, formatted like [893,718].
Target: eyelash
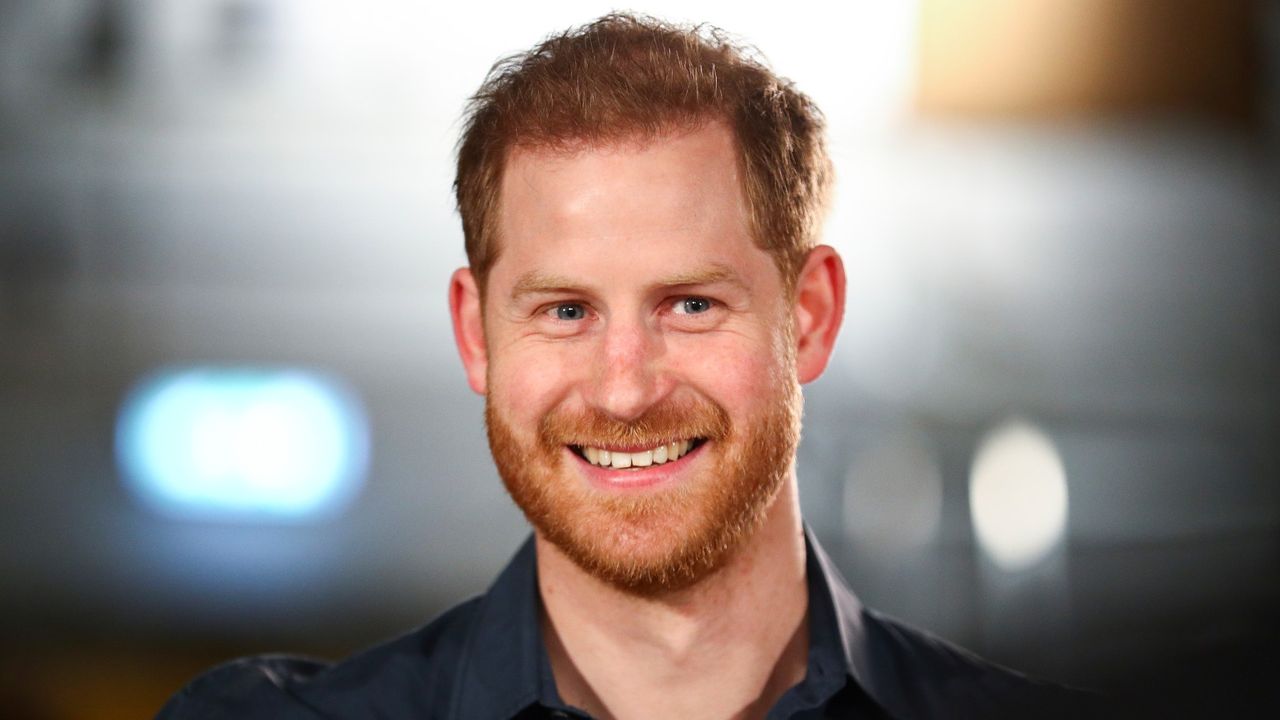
[710,305]
[553,310]
[679,308]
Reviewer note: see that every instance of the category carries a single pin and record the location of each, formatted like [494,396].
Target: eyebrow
[536,282]
[713,274]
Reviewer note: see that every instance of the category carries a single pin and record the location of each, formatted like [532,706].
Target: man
[641,205]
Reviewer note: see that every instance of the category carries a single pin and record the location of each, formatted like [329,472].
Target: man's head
[639,344]
[630,78]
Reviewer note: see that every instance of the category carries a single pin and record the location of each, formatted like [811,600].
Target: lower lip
[634,478]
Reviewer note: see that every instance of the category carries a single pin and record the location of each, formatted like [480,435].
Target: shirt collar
[833,633]
[505,657]
[866,654]
[508,669]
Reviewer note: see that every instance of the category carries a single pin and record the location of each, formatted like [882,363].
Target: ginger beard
[658,541]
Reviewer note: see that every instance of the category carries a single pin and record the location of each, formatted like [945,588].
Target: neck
[728,646]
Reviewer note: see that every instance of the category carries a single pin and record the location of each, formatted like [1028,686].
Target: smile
[620,460]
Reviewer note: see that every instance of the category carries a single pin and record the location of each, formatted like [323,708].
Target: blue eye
[692,305]
[570,311]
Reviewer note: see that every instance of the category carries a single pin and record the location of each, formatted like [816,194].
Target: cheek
[529,381]
[730,369]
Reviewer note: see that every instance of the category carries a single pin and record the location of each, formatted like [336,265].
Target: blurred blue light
[242,444]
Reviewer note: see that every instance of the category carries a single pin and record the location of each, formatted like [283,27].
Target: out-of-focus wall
[1059,220]
[1084,58]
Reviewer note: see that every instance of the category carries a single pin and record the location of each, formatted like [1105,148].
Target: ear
[819,310]
[468,327]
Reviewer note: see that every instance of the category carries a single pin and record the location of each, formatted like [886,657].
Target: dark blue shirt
[485,660]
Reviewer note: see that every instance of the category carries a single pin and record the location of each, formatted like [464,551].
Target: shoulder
[926,676]
[245,688]
[410,676]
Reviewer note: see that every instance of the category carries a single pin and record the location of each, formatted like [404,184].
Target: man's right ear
[468,327]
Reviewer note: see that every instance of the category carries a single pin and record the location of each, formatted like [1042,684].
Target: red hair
[634,77]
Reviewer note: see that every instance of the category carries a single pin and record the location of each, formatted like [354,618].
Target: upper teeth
[644,458]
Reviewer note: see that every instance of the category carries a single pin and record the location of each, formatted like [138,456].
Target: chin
[664,537]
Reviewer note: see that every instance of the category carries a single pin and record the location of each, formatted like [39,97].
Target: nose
[627,378]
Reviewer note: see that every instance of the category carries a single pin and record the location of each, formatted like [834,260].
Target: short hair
[626,77]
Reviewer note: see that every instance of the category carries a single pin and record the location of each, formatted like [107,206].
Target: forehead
[676,192]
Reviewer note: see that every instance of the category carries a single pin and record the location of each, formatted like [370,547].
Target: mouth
[618,459]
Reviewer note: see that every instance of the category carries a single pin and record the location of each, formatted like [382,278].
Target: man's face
[642,401]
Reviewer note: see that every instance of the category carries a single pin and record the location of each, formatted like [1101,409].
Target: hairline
[623,138]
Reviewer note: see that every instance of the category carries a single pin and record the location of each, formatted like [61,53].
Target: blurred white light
[1018,495]
[893,496]
[234,444]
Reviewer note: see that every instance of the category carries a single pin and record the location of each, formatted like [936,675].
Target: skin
[629,233]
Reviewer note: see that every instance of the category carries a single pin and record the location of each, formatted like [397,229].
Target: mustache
[664,422]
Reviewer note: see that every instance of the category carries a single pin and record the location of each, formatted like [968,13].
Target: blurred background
[232,420]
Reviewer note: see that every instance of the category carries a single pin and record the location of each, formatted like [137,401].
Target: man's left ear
[819,310]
